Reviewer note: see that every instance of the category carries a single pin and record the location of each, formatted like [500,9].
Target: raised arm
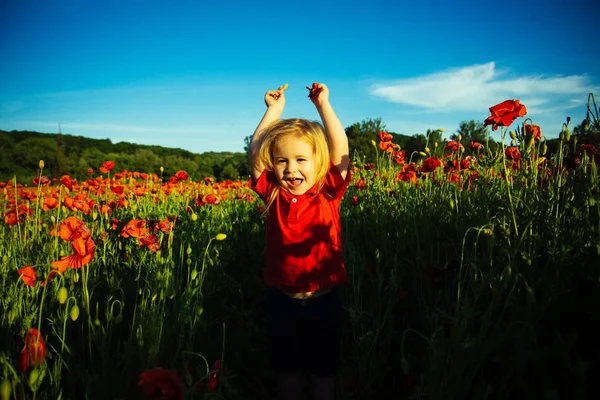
[338,141]
[274,100]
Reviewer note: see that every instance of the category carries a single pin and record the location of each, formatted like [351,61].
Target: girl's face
[294,164]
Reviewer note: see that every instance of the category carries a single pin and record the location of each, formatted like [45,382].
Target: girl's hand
[318,93]
[275,97]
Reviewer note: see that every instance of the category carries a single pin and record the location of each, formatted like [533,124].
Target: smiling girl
[300,170]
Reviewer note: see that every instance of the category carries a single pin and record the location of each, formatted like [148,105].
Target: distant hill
[21,151]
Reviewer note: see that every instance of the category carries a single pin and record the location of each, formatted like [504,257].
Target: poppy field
[473,274]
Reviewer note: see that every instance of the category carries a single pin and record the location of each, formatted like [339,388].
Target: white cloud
[472,87]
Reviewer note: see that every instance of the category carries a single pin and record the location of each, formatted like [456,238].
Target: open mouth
[294,182]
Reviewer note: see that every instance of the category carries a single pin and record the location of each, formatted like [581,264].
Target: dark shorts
[304,335]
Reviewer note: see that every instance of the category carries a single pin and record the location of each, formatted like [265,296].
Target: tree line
[64,154]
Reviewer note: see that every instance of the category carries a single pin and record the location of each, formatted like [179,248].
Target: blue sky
[192,74]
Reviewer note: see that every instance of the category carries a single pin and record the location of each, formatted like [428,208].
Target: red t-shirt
[304,239]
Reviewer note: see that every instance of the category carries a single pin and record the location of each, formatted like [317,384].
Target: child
[301,172]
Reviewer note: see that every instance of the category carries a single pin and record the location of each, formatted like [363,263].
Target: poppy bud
[5,390]
[62,295]
[544,149]
[194,216]
[426,149]
[567,134]
[194,274]
[404,365]
[221,236]
[513,135]
[189,250]
[441,130]
[34,376]
[373,143]
[154,297]
[41,164]
[74,312]
[459,137]
[162,170]
[284,87]
[435,145]
[423,154]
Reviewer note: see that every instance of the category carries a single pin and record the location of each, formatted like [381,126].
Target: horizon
[192,76]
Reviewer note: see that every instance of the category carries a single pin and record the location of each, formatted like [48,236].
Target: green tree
[360,136]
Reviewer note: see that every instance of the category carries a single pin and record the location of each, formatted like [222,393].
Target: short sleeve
[335,184]
[264,184]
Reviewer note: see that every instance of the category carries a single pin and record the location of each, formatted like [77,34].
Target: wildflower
[160,383]
[50,203]
[214,375]
[512,153]
[150,241]
[107,166]
[73,229]
[534,131]
[181,176]
[504,114]
[476,146]
[28,275]
[430,164]
[453,145]
[134,228]
[34,351]
[354,201]
[83,254]
[40,180]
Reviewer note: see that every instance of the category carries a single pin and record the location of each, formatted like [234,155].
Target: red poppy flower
[512,153]
[28,275]
[533,130]
[589,149]
[314,91]
[430,164]
[453,145]
[50,203]
[354,201]
[398,157]
[385,137]
[134,228]
[208,179]
[504,114]
[11,218]
[40,180]
[387,146]
[214,375]
[34,351]
[72,229]
[107,166]
[212,199]
[476,146]
[181,176]
[150,241]
[160,383]
[83,254]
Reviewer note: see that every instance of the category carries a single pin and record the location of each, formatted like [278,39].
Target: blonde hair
[311,132]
